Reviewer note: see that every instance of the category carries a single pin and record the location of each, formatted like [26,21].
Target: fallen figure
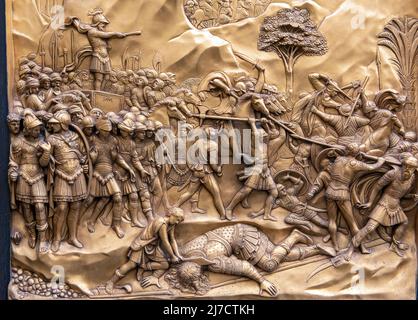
[239,250]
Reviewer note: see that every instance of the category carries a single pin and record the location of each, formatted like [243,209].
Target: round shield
[280,178]
[321,156]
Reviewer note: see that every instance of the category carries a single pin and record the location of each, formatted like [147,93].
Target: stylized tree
[291,34]
[400,35]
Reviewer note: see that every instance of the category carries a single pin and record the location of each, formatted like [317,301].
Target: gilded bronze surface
[191,149]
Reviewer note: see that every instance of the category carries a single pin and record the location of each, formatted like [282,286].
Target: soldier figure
[259,178]
[104,154]
[100,65]
[30,155]
[67,168]
[388,212]
[342,174]
[126,148]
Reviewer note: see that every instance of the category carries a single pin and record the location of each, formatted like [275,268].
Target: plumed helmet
[30,120]
[98,16]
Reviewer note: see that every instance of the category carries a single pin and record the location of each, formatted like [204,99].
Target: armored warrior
[383,123]
[98,37]
[104,154]
[66,179]
[394,185]
[30,155]
[259,177]
[346,126]
[242,249]
[342,173]
[301,215]
[203,168]
[127,150]
[146,148]
[152,250]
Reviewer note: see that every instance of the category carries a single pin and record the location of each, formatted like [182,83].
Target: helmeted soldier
[98,37]
[30,155]
[66,177]
[342,174]
[127,150]
[104,154]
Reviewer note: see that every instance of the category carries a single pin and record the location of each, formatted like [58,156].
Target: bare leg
[213,188]
[273,194]
[119,274]
[239,196]
[191,190]
[98,80]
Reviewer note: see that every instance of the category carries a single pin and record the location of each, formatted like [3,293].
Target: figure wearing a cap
[127,150]
[98,37]
[137,94]
[395,184]
[44,87]
[56,82]
[31,155]
[104,154]
[32,99]
[67,179]
[342,174]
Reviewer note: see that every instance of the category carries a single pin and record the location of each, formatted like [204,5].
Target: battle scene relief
[231,149]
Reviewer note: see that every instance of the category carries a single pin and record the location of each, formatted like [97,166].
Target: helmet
[127,125]
[87,122]
[30,120]
[63,117]
[98,16]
